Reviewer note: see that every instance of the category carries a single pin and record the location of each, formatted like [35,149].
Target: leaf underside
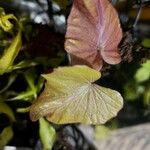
[70,96]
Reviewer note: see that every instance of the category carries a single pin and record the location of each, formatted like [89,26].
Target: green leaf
[34,86]
[5,136]
[132,90]
[143,73]
[23,64]
[147,97]
[146,42]
[70,96]
[61,3]
[2,35]
[2,12]
[23,110]
[10,54]
[4,108]
[30,78]
[102,132]
[146,65]
[24,96]
[47,134]
[5,23]
[11,79]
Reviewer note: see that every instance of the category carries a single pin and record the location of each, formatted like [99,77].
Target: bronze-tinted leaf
[70,96]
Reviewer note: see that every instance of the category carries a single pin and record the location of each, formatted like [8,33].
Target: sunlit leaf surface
[10,54]
[47,134]
[93,33]
[70,96]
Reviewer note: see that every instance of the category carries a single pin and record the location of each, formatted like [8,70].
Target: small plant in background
[58,88]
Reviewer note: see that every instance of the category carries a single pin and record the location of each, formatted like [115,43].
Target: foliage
[37,77]
[5,136]
[93,49]
[7,133]
[5,24]
[146,42]
[71,97]
[143,73]
[47,134]
[12,51]
[138,86]
[4,108]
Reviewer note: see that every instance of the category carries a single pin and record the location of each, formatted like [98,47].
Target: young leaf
[70,96]
[93,33]
[5,24]
[5,109]
[5,136]
[10,54]
[47,134]
[34,86]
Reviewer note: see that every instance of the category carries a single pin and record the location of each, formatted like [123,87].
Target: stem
[138,16]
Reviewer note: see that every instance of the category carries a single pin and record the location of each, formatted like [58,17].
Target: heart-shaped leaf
[70,96]
[93,33]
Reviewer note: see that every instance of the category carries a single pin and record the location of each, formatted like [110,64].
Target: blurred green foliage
[47,134]
[146,42]
[7,133]
[143,73]
[16,64]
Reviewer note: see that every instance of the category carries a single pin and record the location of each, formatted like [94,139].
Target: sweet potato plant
[50,80]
